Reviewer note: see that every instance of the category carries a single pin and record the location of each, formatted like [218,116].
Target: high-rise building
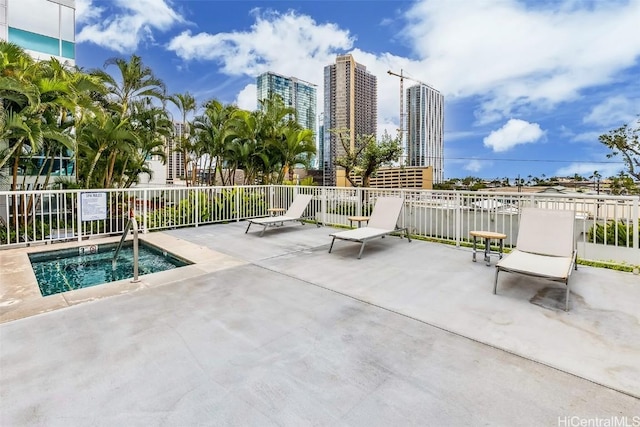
[320,148]
[295,93]
[175,159]
[43,28]
[425,129]
[350,107]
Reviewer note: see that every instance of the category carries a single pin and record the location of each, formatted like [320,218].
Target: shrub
[614,232]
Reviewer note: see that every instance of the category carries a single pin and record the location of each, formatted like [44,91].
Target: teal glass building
[296,93]
[44,28]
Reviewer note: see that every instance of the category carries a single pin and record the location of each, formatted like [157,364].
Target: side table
[487,236]
[276,211]
[357,219]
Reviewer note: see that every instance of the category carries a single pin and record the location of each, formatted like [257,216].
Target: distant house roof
[558,189]
[555,189]
[514,189]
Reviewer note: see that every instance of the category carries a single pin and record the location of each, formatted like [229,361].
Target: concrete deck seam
[626,393]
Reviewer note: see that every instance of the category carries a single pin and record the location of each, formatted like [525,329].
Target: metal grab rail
[132,223]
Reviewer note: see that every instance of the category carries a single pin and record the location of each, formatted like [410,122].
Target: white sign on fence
[94,206]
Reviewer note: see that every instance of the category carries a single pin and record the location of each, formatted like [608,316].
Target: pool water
[68,269]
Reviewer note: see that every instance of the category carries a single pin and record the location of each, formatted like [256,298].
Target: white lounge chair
[294,213]
[545,248]
[383,221]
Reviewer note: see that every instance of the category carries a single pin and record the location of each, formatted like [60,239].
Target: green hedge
[615,232]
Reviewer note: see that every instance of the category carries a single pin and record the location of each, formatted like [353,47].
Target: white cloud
[512,56]
[586,136]
[514,132]
[310,47]
[515,56]
[248,98]
[473,165]
[86,11]
[453,136]
[285,43]
[614,111]
[288,43]
[133,24]
[508,55]
[587,169]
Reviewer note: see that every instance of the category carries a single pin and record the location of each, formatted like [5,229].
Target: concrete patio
[276,331]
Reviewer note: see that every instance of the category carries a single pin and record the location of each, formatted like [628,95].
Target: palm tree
[185,145]
[212,130]
[132,91]
[20,98]
[275,117]
[37,101]
[136,82]
[245,145]
[104,134]
[596,178]
[65,97]
[296,148]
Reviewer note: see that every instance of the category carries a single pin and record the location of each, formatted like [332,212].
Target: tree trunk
[93,166]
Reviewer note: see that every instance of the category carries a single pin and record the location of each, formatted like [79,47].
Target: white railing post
[636,231]
[323,205]
[458,219]
[271,195]
[237,203]
[406,210]
[78,216]
[196,195]
[145,201]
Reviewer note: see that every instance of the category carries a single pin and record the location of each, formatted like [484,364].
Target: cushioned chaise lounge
[294,213]
[545,247]
[383,221]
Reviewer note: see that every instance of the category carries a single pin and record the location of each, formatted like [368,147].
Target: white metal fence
[607,227]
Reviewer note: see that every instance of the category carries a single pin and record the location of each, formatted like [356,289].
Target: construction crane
[402,118]
[402,77]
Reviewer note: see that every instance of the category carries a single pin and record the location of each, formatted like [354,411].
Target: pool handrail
[132,223]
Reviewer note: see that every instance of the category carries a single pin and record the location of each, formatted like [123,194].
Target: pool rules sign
[94,206]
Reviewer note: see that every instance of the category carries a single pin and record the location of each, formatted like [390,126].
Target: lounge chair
[383,221]
[294,213]
[545,248]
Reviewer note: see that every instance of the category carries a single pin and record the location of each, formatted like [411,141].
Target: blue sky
[528,85]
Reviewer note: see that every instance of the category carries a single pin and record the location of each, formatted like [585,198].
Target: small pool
[68,269]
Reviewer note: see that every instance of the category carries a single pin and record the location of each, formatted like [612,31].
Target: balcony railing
[607,227]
